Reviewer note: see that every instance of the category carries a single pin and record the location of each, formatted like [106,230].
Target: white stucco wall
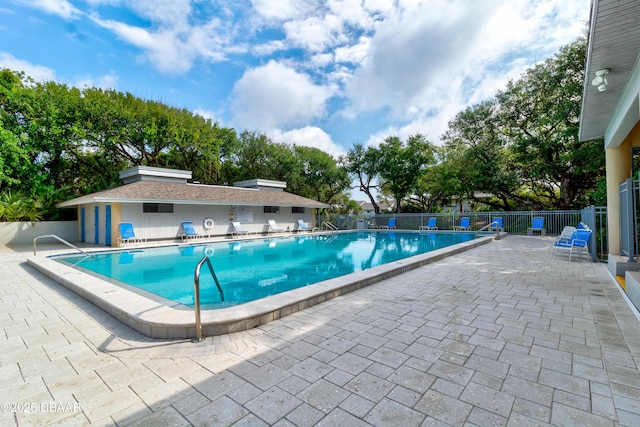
[23,233]
[167,226]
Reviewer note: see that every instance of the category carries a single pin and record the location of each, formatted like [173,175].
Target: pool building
[158,200]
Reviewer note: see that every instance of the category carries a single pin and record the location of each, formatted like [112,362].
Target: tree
[540,115]
[39,133]
[475,143]
[362,165]
[402,165]
[197,145]
[439,183]
[319,177]
[127,127]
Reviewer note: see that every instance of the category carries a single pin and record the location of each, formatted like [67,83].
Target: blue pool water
[254,269]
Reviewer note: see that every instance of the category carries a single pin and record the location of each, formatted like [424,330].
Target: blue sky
[322,73]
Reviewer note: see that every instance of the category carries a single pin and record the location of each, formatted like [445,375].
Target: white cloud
[275,96]
[171,50]
[36,72]
[310,136]
[107,81]
[62,8]
[176,36]
[160,12]
[428,61]
[207,114]
[353,54]
[315,34]
[282,10]
[408,55]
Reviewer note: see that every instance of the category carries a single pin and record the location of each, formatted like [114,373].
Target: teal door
[107,233]
[96,224]
[82,235]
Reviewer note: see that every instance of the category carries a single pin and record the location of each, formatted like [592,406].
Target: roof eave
[85,200]
[614,43]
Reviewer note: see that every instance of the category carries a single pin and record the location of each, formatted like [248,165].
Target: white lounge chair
[566,233]
[238,230]
[302,226]
[274,227]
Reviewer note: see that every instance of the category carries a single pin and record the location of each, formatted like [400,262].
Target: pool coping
[161,318]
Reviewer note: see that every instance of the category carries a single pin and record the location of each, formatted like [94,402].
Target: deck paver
[503,334]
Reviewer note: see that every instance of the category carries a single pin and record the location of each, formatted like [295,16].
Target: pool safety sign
[245,214]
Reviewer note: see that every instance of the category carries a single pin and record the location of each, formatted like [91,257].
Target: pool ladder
[196,293]
[326,225]
[494,225]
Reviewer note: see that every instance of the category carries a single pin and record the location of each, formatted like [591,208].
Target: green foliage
[15,206]
[318,176]
[402,165]
[477,150]
[522,147]
[540,116]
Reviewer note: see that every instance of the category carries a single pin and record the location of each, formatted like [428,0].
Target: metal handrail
[196,294]
[486,227]
[329,226]
[60,239]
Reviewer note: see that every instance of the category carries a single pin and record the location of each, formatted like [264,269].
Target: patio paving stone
[500,335]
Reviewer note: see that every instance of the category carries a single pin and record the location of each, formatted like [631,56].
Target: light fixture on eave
[601,79]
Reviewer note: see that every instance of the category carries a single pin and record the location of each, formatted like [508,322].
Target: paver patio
[500,335]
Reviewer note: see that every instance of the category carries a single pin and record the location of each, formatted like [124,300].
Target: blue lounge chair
[188,230]
[391,224]
[496,224]
[274,227]
[537,224]
[431,224]
[579,241]
[238,230]
[127,235]
[465,224]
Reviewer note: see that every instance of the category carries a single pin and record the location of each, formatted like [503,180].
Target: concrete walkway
[501,335]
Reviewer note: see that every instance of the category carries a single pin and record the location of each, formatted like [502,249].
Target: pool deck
[500,334]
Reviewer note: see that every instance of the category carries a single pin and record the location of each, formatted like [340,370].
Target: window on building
[157,207]
[297,210]
[272,209]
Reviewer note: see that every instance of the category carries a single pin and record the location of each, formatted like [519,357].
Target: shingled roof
[149,191]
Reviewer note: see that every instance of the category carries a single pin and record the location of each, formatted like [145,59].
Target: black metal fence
[514,222]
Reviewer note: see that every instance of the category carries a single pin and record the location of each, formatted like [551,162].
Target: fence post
[588,215]
[629,225]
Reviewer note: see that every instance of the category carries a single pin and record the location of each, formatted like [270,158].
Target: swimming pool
[250,270]
[159,317]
